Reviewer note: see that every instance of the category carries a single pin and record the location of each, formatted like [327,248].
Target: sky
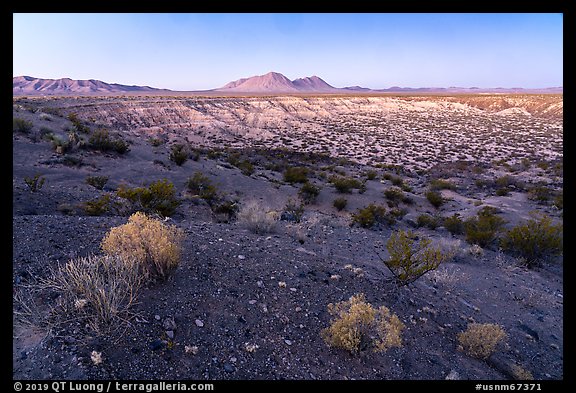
[205,51]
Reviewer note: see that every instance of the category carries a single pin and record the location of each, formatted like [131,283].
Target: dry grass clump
[256,218]
[97,289]
[154,245]
[520,373]
[480,339]
[357,325]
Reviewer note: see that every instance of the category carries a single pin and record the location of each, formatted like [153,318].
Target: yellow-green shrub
[159,197]
[481,339]
[154,245]
[357,325]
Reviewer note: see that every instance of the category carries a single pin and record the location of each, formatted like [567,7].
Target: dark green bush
[292,212]
[435,198]
[534,240]
[428,221]
[99,206]
[246,167]
[503,191]
[159,197]
[441,184]
[371,215]
[178,154]
[21,125]
[101,140]
[34,183]
[225,211]
[483,229]
[200,185]
[411,256]
[296,174]
[340,203]
[454,224]
[371,175]
[97,182]
[308,193]
[155,142]
[344,185]
[539,193]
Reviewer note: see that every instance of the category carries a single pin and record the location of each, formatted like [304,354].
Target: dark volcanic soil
[225,295]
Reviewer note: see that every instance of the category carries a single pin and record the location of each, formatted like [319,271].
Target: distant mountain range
[270,83]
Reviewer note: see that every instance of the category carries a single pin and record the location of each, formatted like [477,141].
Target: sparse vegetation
[296,175]
[483,229]
[292,212]
[97,182]
[21,125]
[35,183]
[200,185]
[308,193]
[256,218]
[520,373]
[101,140]
[340,203]
[441,184]
[357,326]
[371,215]
[412,256]
[428,221]
[454,224]
[99,206]
[481,339]
[179,154]
[435,198]
[344,185]
[153,245]
[159,197]
[534,240]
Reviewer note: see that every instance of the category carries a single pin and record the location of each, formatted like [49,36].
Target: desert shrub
[256,218]
[101,140]
[98,290]
[155,142]
[292,212]
[344,185]
[308,193]
[435,198]
[97,182]
[396,195]
[159,197]
[481,339]
[153,245]
[296,174]
[178,154]
[225,211]
[441,184]
[454,224]
[59,145]
[534,240]
[502,191]
[246,167]
[371,215]
[35,183]
[539,193]
[505,181]
[483,229]
[559,200]
[371,175]
[397,181]
[98,206]
[77,123]
[428,221]
[520,373]
[412,256]
[340,203]
[201,186]
[356,325]
[21,125]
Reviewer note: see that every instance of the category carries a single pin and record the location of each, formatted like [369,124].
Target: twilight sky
[205,51]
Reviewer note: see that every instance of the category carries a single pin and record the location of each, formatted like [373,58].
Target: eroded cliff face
[363,128]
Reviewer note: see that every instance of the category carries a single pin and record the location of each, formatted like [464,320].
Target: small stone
[241,257]
[298,309]
[260,284]
[191,349]
[233,359]
[199,323]
[453,376]
[229,368]
[250,347]
[335,277]
[554,346]
[169,324]
[288,342]
[96,357]
[251,301]
[170,334]
[281,284]
[293,289]
[157,317]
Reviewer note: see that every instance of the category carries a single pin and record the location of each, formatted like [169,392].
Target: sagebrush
[481,339]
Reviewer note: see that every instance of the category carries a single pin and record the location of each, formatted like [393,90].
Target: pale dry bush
[520,373]
[154,245]
[481,339]
[356,322]
[449,278]
[98,289]
[256,218]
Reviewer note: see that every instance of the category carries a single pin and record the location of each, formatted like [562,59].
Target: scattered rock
[260,284]
[199,323]
[453,375]
[241,257]
[170,334]
[281,284]
[191,349]
[252,301]
[157,317]
[250,347]
[229,368]
[288,342]
[169,324]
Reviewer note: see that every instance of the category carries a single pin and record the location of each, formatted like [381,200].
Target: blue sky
[204,51]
